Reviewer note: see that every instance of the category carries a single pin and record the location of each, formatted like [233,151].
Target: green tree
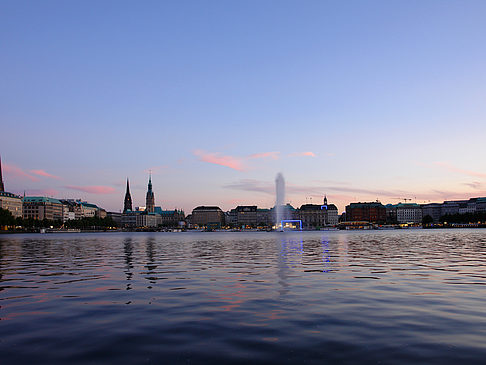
[6,218]
[427,219]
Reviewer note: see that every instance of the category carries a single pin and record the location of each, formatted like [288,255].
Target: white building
[409,213]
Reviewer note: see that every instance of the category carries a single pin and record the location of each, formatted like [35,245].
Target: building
[127,204]
[172,218]
[116,216]
[9,201]
[450,208]
[150,198]
[316,216]
[246,216]
[433,210]
[391,213]
[264,217]
[39,208]
[409,213]
[129,219]
[12,203]
[374,212]
[287,211]
[88,210]
[148,220]
[207,216]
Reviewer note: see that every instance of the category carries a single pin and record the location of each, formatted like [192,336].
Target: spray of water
[280,199]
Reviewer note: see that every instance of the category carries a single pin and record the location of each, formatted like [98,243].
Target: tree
[427,220]
[6,218]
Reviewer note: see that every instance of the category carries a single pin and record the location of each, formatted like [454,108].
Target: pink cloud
[304,154]
[44,174]
[451,168]
[272,155]
[234,163]
[17,172]
[94,189]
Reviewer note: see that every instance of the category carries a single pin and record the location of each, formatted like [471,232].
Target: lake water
[404,296]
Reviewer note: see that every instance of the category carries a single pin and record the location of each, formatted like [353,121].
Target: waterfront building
[450,207]
[481,205]
[39,208]
[207,216]
[12,203]
[150,198]
[373,212]
[171,218]
[129,219]
[231,218]
[391,213]
[409,213]
[433,210]
[88,210]
[316,216]
[287,211]
[148,220]
[127,204]
[116,216]
[264,217]
[246,215]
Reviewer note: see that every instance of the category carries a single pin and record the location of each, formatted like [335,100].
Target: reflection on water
[367,297]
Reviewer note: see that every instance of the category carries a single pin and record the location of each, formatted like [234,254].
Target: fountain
[281,210]
[279,201]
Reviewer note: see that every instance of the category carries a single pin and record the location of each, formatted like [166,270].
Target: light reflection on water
[367,297]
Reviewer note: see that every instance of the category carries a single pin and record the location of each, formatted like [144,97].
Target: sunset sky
[359,100]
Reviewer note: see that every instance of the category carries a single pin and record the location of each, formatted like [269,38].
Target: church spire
[128,199]
[150,199]
[2,187]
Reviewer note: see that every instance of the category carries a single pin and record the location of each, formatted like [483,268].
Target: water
[405,296]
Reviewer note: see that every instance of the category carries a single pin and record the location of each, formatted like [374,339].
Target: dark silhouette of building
[2,187]
[211,217]
[127,205]
[366,212]
[150,199]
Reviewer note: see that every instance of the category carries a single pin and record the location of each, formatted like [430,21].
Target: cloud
[272,155]
[303,154]
[474,185]
[44,174]
[307,190]
[94,189]
[458,170]
[18,172]
[252,185]
[234,163]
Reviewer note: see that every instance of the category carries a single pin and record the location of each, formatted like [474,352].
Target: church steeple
[325,200]
[128,200]
[2,187]
[150,199]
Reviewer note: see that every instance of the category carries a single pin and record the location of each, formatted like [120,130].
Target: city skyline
[358,101]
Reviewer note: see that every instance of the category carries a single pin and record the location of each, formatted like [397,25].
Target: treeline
[464,218]
[8,220]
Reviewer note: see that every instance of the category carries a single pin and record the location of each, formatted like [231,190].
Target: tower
[2,188]
[128,200]
[150,199]
[325,200]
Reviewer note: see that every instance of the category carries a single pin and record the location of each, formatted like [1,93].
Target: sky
[356,100]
